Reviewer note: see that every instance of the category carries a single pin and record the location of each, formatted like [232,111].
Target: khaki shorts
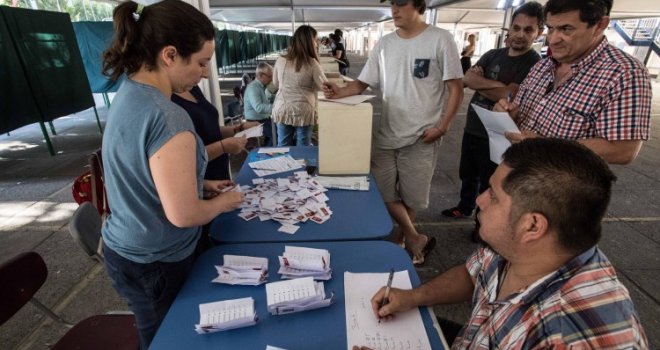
[405,174]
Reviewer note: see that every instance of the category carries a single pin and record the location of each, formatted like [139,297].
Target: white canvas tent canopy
[278,15]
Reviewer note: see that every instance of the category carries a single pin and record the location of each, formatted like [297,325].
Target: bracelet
[223,147]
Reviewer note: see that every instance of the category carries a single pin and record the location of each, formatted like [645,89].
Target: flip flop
[419,260]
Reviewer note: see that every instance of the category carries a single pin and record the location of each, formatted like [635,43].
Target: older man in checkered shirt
[588,90]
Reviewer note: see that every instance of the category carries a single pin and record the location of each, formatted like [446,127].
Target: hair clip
[138,12]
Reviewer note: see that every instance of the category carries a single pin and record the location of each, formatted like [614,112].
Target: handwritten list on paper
[404,332]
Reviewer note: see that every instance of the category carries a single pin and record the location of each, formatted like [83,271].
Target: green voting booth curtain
[46,54]
[232,47]
[93,39]
[17,106]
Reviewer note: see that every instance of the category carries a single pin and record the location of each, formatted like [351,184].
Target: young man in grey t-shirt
[415,68]
[496,75]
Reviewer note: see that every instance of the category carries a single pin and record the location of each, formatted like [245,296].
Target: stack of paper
[303,262]
[274,165]
[243,270]
[354,183]
[296,295]
[224,315]
[289,201]
[255,131]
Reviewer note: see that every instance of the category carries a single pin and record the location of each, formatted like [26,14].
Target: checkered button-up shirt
[607,96]
[582,305]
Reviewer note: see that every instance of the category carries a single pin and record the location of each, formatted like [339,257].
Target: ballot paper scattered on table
[255,131]
[271,150]
[274,165]
[354,183]
[227,314]
[300,294]
[298,262]
[242,270]
[289,201]
[496,124]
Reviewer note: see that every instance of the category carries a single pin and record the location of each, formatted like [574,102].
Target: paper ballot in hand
[255,131]
[496,124]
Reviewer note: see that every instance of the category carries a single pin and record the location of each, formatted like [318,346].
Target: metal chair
[85,228]
[22,276]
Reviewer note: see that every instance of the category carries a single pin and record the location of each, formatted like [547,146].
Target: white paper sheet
[270,150]
[274,165]
[255,131]
[405,331]
[496,123]
[227,314]
[353,183]
[349,100]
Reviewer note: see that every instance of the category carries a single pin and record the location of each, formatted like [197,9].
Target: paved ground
[36,204]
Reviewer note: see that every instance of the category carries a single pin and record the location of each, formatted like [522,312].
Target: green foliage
[79,10]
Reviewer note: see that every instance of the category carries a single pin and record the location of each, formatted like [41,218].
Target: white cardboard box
[344,138]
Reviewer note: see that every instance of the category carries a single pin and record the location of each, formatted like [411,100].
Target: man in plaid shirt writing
[588,90]
[540,281]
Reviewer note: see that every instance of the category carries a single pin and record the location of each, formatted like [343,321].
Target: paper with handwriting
[405,332]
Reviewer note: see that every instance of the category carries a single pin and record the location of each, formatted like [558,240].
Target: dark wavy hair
[302,50]
[591,11]
[531,9]
[140,37]
[564,181]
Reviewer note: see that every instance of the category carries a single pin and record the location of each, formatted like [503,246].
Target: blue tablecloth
[316,329]
[357,215]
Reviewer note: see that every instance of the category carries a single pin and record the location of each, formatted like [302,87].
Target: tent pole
[96,113]
[52,127]
[48,143]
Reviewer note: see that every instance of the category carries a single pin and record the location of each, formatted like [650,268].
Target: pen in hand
[386,300]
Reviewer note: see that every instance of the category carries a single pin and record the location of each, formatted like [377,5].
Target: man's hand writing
[399,300]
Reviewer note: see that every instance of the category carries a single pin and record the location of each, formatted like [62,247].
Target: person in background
[298,76]
[219,141]
[468,52]
[540,281]
[416,68]
[339,53]
[496,75]
[588,90]
[340,36]
[152,158]
[257,104]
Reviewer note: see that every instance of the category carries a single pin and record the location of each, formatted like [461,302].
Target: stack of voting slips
[290,201]
[300,294]
[305,262]
[244,270]
[224,315]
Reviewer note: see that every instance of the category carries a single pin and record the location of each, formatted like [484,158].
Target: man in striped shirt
[588,91]
[540,282]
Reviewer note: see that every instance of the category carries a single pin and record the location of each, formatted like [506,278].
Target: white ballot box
[330,67]
[344,138]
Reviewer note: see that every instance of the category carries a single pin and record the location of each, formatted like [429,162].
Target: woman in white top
[299,77]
